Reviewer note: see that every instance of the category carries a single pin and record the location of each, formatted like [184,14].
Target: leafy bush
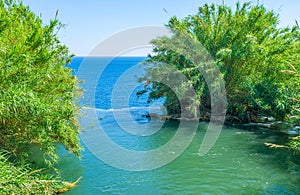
[37,92]
[252,53]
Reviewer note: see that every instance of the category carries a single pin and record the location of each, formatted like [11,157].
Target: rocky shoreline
[264,122]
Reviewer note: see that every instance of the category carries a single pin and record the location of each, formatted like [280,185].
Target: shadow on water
[283,157]
[280,159]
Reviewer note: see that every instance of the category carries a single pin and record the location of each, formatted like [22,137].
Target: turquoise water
[239,162]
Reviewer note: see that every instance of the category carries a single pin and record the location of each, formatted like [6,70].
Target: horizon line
[107,56]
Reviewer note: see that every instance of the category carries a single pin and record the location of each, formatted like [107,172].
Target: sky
[90,22]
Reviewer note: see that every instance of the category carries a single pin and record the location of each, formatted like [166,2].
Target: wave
[131,109]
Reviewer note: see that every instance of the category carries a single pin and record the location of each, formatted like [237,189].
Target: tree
[37,92]
[249,49]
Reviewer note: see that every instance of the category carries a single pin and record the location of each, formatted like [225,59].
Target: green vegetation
[250,50]
[257,60]
[295,142]
[21,180]
[37,96]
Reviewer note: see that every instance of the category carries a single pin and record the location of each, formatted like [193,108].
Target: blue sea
[111,70]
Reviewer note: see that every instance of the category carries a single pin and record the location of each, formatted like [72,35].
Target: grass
[21,179]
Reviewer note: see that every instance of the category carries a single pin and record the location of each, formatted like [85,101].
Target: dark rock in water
[157,116]
[167,117]
[265,125]
[294,131]
[297,128]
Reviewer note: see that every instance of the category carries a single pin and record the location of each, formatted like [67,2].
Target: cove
[238,163]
